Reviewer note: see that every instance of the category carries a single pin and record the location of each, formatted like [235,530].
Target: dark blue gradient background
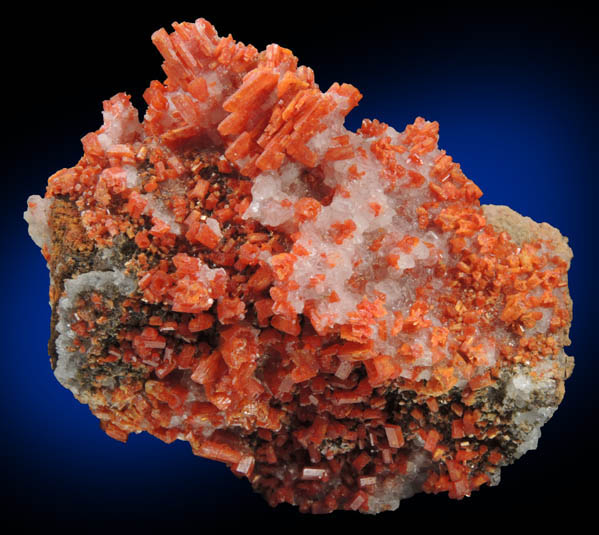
[515,96]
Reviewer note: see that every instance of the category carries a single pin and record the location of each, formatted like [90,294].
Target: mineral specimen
[331,313]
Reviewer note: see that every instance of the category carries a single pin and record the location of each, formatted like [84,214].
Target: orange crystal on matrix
[330,313]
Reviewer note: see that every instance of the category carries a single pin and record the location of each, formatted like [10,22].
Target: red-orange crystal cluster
[330,313]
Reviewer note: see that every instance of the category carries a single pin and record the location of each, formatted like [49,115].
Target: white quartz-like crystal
[69,358]
[121,124]
[38,211]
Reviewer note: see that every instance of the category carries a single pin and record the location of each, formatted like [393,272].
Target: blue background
[515,95]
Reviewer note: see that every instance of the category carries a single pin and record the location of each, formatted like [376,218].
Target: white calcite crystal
[38,211]
[107,283]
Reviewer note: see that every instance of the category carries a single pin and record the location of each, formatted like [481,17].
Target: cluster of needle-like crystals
[331,313]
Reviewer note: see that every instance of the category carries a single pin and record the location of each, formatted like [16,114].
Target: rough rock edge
[544,394]
[521,401]
[523,229]
[115,283]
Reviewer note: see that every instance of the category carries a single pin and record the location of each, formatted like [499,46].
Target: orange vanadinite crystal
[325,311]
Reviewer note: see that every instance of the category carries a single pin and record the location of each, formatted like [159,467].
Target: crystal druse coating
[332,314]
